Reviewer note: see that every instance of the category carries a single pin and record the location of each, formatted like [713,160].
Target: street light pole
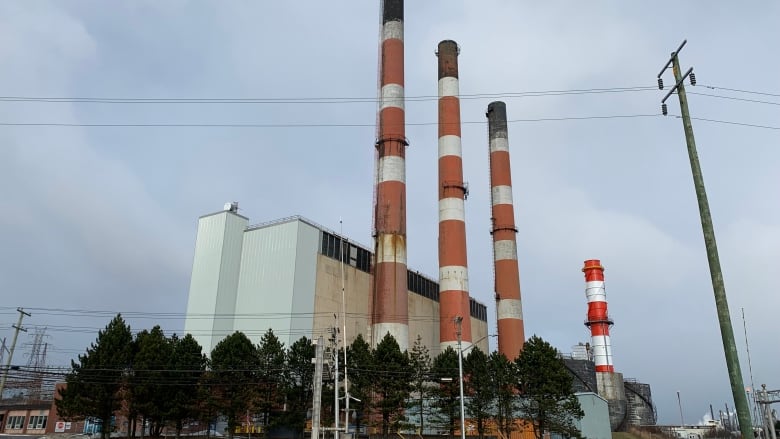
[458,321]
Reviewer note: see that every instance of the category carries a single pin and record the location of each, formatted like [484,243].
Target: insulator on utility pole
[660,83]
[664,109]
[692,76]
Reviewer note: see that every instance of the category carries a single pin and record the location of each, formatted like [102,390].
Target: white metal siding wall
[214,275]
[305,281]
[267,280]
[228,278]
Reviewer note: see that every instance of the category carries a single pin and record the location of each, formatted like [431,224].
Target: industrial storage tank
[640,409]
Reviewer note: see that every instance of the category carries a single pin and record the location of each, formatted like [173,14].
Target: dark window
[422,286]
[334,247]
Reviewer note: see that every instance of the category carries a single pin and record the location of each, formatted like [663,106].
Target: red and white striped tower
[453,272]
[511,333]
[598,317]
[390,304]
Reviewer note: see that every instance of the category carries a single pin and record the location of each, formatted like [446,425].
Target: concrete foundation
[610,387]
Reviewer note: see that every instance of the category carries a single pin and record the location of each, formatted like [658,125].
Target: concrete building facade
[286,275]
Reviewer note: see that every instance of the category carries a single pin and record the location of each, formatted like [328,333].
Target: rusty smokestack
[390,304]
[511,334]
[453,271]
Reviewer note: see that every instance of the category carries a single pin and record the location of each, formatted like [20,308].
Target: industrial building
[286,275]
[301,279]
[629,402]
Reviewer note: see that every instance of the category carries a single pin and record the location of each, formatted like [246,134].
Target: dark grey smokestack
[393,10]
[496,114]
[448,59]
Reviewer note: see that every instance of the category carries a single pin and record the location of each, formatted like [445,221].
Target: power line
[311,100]
[734,98]
[301,125]
[712,87]
[728,122]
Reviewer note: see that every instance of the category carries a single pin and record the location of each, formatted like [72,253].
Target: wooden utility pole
[18,328]
[724,318]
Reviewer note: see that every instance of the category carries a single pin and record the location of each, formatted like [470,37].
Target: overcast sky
[98,220]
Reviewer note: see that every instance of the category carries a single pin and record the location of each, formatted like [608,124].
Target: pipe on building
[598,321]
[511,332]
[453,271]
[390,304]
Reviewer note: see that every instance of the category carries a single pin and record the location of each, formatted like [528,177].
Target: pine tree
[504,375]
[299,390]
[233,378]
[420,362]
[93,387]
[545,385]
[391,383]
[360,359]
[149,378]
[187,366]
[479,389]
[272,376]
[446,402]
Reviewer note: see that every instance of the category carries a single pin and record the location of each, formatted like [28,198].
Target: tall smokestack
[453,272]
[390,305]
[598,318]
[511,333]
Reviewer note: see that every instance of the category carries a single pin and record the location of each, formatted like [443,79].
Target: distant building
[286,275]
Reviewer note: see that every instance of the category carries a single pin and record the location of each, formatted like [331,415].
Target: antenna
[344,249]
[750,366]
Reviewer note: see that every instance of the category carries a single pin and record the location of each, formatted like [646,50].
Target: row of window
[333,246]
[477,310]
[37,422]
[422,286]
[17,422]
[14,423]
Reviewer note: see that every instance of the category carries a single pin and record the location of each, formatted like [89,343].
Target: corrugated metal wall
[277,278]
[215,272]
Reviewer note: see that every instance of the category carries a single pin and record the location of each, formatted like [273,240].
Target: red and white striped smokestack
[598,317]
[453,272]
[390,305]
[509,307]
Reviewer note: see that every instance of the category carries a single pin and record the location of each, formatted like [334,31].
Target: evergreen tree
[272,376]
[545,385]
[420,363]
[233,378]
[446,402]
[93,387]
[187,366]
[360,359]
[299,391]
[149,378]
[391,383]
[504,375]
[479,389]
